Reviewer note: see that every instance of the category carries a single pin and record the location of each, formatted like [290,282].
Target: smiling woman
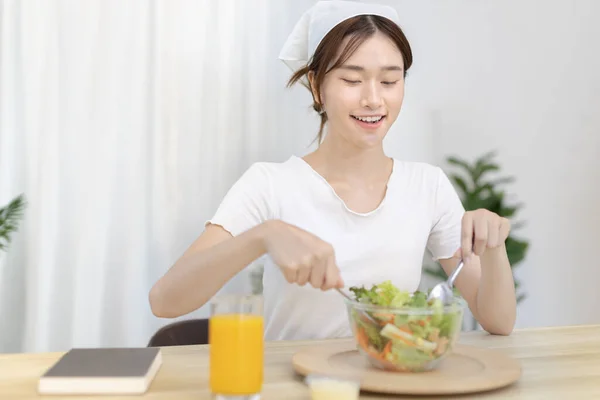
[346,214]
[374,56]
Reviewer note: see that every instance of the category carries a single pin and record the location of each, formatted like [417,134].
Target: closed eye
[350,81]
[390,83]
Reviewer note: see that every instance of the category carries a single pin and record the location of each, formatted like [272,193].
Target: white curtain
[124,123]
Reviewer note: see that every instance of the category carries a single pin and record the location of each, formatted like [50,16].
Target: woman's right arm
[215,257]
[212,260]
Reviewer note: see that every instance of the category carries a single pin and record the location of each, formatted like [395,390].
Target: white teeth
[369,119]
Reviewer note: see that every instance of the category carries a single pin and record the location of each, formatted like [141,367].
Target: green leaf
[459,163]
[507,212]
[14,209]
[9,218]
[462,185]
[476,192]
[503,180]
[493,202]
[489,155]
[517,284]
[510,211]
[516,250]
[481,170]
[436,272]
[517,225]
[487,187]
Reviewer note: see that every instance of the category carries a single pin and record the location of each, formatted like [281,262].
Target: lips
[369,119]
[369,122]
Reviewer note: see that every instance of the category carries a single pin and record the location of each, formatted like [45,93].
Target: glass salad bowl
[405,332]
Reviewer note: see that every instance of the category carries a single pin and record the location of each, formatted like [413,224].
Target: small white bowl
[332,388]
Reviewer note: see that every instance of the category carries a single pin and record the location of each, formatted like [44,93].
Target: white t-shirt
[420,210]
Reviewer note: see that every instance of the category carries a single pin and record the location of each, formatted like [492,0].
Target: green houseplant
[476,191]
[9,220]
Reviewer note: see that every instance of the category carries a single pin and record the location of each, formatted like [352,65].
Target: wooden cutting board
[467,370]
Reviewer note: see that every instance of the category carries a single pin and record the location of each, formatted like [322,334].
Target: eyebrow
[351,67]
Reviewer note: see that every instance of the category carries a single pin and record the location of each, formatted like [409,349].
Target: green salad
[403,341]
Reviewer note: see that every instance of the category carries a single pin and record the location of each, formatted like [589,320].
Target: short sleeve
[445,235]
[248,202]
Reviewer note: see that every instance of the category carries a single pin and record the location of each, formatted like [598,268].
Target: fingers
[482,229]
[291,274]
[504,230]
[303,274]
[481,235]
[467,235]
[311,261]
[320,272]
[333,278]
[330,274]
[317,273]
[493,235]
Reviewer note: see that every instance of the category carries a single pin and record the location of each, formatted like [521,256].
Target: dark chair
[181,333]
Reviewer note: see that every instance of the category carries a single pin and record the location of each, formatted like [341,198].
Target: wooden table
[558,363]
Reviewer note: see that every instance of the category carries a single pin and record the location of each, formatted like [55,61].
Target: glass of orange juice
[236,347]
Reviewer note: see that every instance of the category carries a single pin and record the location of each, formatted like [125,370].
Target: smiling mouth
[369,120]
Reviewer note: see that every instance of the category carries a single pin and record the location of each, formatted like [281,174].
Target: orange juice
[236,354]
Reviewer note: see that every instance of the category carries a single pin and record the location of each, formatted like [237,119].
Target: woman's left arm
[486,282]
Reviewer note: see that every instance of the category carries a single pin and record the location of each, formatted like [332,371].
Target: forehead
[375,52]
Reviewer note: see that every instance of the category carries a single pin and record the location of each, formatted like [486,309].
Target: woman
[345,214]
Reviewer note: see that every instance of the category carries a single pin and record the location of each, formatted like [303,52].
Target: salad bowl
[402,331]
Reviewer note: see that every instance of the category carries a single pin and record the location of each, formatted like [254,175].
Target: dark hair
[360,28]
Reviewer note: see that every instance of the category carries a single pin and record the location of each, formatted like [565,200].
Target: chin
[369,139]
[365,142]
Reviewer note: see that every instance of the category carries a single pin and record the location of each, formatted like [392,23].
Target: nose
[371,96]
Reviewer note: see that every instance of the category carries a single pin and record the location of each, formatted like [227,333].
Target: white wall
[522,77]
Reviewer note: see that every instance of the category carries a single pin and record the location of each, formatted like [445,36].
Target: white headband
[318,21]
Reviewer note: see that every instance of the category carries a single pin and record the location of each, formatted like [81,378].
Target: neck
[338,159]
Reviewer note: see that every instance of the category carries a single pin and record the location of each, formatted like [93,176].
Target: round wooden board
[466,370]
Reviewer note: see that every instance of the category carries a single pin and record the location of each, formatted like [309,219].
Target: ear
[313,89]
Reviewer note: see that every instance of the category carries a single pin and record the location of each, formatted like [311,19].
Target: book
[102,371]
